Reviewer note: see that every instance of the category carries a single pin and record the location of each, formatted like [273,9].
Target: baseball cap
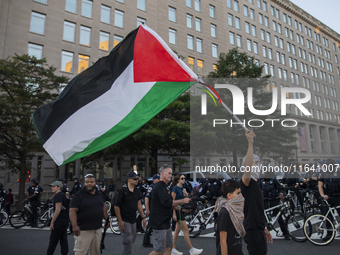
[131,174]
[57,183]
[156,176]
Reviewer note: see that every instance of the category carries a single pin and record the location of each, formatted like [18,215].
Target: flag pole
[223,104]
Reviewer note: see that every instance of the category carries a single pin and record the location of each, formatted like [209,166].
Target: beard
[90,189]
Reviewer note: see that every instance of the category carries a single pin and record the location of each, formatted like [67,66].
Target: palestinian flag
[113,98]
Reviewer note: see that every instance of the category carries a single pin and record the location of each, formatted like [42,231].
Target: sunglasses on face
[135,179]
[182,178]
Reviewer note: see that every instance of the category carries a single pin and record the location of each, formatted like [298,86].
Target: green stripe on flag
[159,96]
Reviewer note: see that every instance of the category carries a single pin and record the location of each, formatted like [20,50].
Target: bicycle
[3,214]
[294,220]
[316,229]
[200,221]
[310,205]
[45,216]
[20,218]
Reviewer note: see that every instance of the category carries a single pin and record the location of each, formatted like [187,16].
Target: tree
[26,83]
[277,143]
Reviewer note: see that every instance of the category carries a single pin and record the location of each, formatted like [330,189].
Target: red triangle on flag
[152,62]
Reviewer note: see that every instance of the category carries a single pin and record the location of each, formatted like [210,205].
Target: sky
[327,11]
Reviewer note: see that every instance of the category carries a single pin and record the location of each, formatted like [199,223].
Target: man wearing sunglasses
[126,205]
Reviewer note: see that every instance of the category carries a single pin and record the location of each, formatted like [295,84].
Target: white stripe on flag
[97,117]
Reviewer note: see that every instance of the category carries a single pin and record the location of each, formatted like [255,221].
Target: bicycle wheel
[108,206]
[195,227]
[17,219]
[114,226]
[294,224]
[322,230]
[3,218]
[43,219]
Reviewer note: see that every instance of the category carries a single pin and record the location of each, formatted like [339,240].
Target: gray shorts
[162,239]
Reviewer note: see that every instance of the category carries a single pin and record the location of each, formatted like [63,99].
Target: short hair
[162,168]
[89,176]
[229,186]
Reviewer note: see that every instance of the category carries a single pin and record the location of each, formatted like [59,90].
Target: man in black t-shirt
[161,212]
[257,235]
[60,220]
[87,211]
[126,205]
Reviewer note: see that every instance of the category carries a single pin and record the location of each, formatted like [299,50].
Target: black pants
[256,242]
[147,234]
[59,233]
[271,203]
[34,207]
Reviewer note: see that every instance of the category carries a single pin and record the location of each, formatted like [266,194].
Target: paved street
[29,241]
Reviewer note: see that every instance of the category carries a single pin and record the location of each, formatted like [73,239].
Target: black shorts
[180,215]
[256,242]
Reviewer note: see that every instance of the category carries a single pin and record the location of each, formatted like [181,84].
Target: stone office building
[295,48]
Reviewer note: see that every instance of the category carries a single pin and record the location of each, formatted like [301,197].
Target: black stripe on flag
[84,88]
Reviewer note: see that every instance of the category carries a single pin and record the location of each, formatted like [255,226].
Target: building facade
[295,48]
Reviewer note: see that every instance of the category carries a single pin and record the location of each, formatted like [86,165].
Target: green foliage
[26,83]
[274,142]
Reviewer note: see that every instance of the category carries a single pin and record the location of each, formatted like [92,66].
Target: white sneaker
[196,251]
[176,252]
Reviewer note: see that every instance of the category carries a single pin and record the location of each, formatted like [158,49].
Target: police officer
[65,189]
[292,181]
[102,188]
[148,230]
[34,193]
[187,185]
[329,188]
[213,188]
[76,186]
[271,190]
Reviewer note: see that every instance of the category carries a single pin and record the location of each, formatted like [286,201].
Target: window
[232,38]
[172,36]
[198,5]
[270,53]
[104,40]
[253,29]
[237,23]
[213,30]
[288,46]
[287,32]
[266,21]
[41,1]
[85,36]
[212,11]
[272,9]
[260,18]
[105,14]
[283,60]
[71,6]
[86,8]
[278,58]
[248,45]
[235,5]
[172,14]
[274,25]
[188,3]
[281,44]
[255,47]
[276,41]
[279,70]
[119,18]
[291,35]
[245,11]
[190,42]
[37,23]
[297,79]
[198,23]
[285,77]
[199,44]
[284,18]
[83,62]
[67,61]
[189,21]
[239,41]
[230,20]
[264,5]
[229,3]
[35,50]
[252,14]
[214,50]
[268,37]
[266,69]
[117,39]
[289,20]
[278,13]
[279,28]
[69,31]
[264,51]
[140,21]
[200,66]
[141,5]
[259,3]
[191,62]
[293,49]
[272,73]
[247,27]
